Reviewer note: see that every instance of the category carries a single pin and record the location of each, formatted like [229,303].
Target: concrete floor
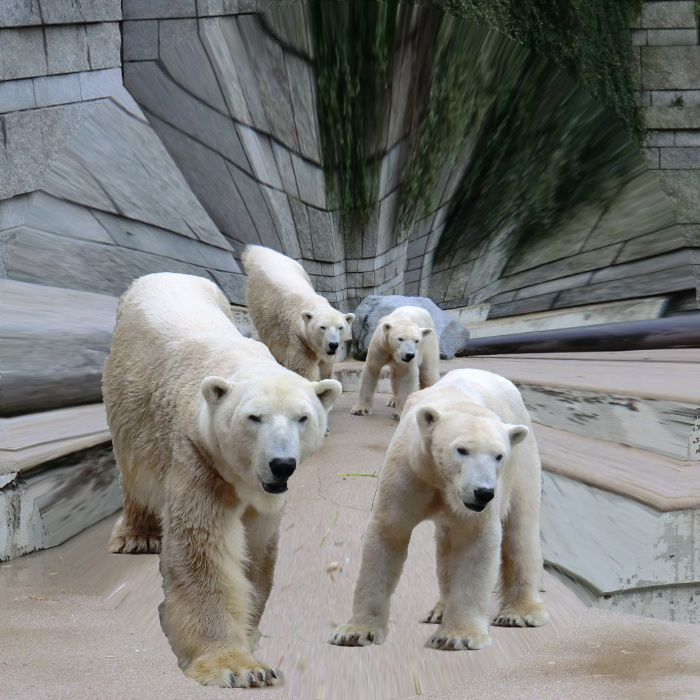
[77,622]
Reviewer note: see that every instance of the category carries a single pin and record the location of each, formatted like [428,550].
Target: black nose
[332,346]
[483,496]
[282,468]
[409,356]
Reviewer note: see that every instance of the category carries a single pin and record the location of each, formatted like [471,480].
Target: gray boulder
[453,335]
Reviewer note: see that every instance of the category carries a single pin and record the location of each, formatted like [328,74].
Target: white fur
[446,447]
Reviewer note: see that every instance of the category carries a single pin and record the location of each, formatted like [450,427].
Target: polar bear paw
[534,614]
[459,640]
[360,410]
[391,402]
[356,636]
[232,670]
[434,617]
[396,416]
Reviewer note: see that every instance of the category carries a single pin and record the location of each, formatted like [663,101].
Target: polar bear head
[325,330]
[468,449]
[260,430]
[404,338]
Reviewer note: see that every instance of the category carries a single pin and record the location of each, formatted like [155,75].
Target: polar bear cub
[407,341]
[463,455]
[207,429]
[301,329]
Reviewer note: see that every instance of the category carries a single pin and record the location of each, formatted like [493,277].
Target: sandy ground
[77,622]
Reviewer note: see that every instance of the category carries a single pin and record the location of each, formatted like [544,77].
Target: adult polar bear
[302,330]
[206,428]
[407,341]
[465,456]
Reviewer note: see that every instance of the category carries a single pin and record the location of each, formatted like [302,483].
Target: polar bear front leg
[521,568]
[472,575]
[376,359]
[442,550]
[383,556]
[406,384]
[262,535]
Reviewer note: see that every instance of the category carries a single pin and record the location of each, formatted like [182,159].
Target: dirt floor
[77,622]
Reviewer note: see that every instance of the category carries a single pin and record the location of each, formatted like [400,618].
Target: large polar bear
[207,428]
[407,341]
[302,330]
[463,455]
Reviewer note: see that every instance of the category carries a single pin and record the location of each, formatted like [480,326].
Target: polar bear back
[412,314]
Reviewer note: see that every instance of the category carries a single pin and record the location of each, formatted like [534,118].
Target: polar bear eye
[400,340]
[255,419]
[499,458]
[303,419]
[462,451]
[323,328]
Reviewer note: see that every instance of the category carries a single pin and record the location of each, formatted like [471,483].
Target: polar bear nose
[333,346]
[282,468]
[483,496]
[408,356]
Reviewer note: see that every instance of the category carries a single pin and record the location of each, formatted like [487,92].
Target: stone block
[118,164]
[260,156]
[188,64]
[680,158]
[639,37]
[670,67]
[322,235]
[310,181]
[672,14]
[303,229]
[72,12]
[22,53]
[278,204]
[683,190]
[672,118]
[123,98]
[212,8]
[140,40]
[653,244]
[16,95]
[251,194]
[13,211]
[283,159]
[300,82]
[53,215]
[20,13]
[57,89]
[671,98]
[104,45]
[686,138]
[100,83]
[656,139]
[157,93]
[522,306]
[175,32]
[672,37]
[157,9]
[652,157]
[231,284]
[67,49]
[217,46]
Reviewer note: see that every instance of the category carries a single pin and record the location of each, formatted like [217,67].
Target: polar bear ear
[306,316]
[387,327]
[427,418]
[426,331]
[349,318]
[214,390]
[328,391]
[517,433]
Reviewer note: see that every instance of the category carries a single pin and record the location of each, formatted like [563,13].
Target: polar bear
[407,341]
[302,330]
[463,455]
[207,428]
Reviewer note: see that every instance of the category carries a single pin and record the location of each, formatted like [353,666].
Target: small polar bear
[301,329]
[463,455]
[207,429]
[407,341]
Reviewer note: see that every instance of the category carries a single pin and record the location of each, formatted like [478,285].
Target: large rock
[452,335]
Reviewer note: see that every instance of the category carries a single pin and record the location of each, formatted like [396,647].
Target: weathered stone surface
[680,158]
[140,40]
[67,48]
[522,306]
[670,14]
[22,53]
[16,95]
[33,139]
[123,99]
[672,118]
[117,163]
[54,344]
[149,9]
[232,285]
[672,37]
[453,336]
[662,139]
[278,203]
[100,83]
[104,45]
[687,138]
[49,507]
[670,67]
[683,190]
[669,98]
[20,13]
[303,229]
[323,235]
[57,89]
[159,95]
[310,182]
[210,8]
[53,215]
[175,32]
[259,151]
[300,81]
[13,211]
[651,244]
[72,12]
[210,180]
